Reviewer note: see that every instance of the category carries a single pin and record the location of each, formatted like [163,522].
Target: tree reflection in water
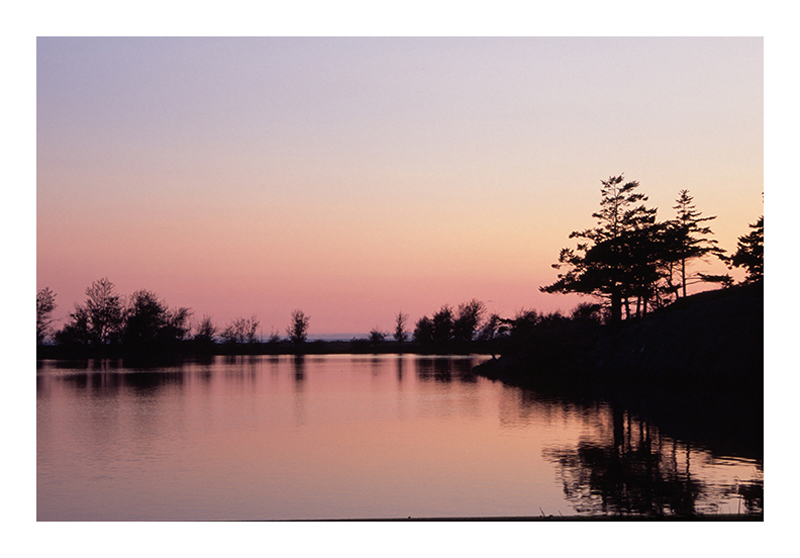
[446,370]
[638,472]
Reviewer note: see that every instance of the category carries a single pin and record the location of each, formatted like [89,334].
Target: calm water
[353,437]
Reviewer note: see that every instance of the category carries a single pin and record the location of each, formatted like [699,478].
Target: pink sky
[356,178]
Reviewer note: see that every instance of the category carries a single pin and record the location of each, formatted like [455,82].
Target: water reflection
[303,436]
[636,471]
[446,370]
[299,367]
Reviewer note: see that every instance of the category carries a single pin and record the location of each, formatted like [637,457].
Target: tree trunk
[683,275]
[616,307]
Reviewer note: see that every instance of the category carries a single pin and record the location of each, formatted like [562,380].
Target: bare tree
[104,308]
[205,331]
[297,332]
[241,330]
[45,304]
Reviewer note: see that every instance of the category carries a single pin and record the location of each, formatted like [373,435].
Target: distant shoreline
[317,347]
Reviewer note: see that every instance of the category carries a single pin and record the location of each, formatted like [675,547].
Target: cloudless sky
[664,153]
[354,178]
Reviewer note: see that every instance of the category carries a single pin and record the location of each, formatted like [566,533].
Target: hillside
[697,364]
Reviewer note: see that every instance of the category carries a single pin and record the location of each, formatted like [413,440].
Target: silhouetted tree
[644,248]
[521,327]
[297,332]
[205,334]
[274,336]
[45,304]
[688,238]
[98,322]
[466,323]
[400,334]
[586,312]
[750,252]
[105,311]
[77,330]
[150,324]
[492,328]
[423,331]
[443,325]
[613,261]
[376,336]
[240,330]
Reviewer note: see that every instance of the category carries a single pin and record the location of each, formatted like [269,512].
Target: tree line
[632,262]
[629,263]
[107,322]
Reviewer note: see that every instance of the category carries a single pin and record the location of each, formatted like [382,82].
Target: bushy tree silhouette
[750,252]
[98,322]
[297,332]
[443,326]
[151,325]
[376,336]
[423,331]
[467,321]
[492,328]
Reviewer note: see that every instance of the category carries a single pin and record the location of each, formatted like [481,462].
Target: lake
[355,437]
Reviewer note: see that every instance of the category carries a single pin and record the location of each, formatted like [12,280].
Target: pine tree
[614,261]
[688,238]
[750,252]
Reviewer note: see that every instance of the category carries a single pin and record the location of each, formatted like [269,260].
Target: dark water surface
[366,437]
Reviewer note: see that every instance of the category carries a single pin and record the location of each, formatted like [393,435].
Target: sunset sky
[354,178]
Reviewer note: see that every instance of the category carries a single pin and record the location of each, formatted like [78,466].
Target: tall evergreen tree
[688,238]
[613,260]
[750,252]
[400,334]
